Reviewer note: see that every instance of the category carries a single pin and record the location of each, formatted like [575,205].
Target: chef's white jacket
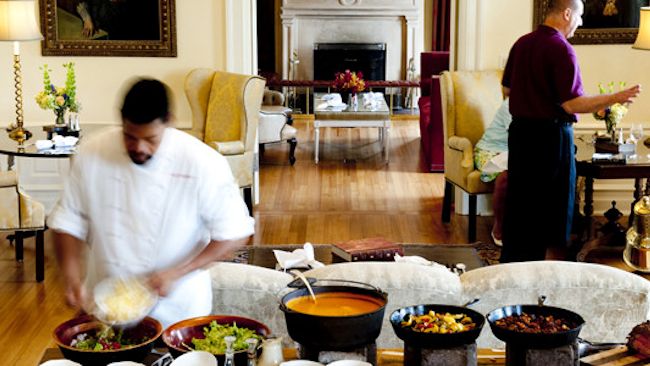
[137,219]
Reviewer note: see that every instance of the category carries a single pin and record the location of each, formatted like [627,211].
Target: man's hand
[76,296]
[627,95]
[162,282]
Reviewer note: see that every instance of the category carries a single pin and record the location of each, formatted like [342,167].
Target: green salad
[104,339]
[214,338]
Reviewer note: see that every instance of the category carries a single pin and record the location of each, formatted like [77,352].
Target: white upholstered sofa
[611,301]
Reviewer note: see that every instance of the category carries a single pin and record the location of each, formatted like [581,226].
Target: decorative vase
[354,101]
[60,114]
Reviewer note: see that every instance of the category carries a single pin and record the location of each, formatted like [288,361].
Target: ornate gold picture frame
[143,28]
[604,21]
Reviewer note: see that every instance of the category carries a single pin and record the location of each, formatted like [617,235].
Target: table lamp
[18,23]
[643,40]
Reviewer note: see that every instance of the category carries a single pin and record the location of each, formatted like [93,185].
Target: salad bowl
[137,341]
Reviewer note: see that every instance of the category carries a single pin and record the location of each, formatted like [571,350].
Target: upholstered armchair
[225,113]
[20,214]
[470,100]
[275,123]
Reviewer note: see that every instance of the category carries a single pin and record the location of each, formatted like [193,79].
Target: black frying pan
[535,340]
[433,340]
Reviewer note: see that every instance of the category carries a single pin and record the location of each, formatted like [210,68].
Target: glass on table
[636,131]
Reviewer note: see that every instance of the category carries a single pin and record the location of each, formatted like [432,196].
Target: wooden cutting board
[618,356]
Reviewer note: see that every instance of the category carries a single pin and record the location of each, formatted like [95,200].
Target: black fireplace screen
[369,58]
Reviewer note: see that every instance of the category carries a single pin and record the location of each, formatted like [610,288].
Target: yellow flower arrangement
[59,98]
[613,114]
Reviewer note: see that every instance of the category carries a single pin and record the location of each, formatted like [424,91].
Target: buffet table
[385,357]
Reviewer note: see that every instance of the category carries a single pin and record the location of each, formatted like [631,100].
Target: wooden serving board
[618,356]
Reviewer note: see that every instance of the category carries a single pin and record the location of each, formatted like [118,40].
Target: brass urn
[637,248]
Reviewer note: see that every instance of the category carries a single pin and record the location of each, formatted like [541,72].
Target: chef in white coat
[148,200]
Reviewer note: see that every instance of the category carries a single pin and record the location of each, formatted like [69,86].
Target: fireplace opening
[369,58]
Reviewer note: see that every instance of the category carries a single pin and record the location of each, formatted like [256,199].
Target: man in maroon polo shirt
[543,81]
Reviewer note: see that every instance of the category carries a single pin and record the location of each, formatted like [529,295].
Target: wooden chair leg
[446,202]
[292,150]
[248,199]
[40,255]
[471,236]
[19,246]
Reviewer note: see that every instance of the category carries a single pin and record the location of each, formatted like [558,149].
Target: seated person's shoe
[497,242]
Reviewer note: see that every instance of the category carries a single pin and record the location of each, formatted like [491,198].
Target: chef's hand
[76,295]
[162,282]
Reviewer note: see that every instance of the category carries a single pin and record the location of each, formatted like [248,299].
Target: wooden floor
[352,193]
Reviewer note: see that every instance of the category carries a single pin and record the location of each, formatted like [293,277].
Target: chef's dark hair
[146,100]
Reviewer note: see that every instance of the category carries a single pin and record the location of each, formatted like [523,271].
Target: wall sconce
[18,23]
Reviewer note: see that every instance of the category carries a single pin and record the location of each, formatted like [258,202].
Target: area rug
[488,252]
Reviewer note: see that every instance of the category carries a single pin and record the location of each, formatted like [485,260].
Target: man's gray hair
[556,6]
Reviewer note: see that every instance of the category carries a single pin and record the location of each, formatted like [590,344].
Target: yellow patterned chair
[225,114]
[20,214]
[470,100]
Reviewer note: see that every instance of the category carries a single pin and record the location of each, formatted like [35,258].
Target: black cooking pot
[536,340]
[334,333]
[435,340]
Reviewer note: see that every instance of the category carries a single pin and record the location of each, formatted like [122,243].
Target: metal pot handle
[361,284]
[541,300]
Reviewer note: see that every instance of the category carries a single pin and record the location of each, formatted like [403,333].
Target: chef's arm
[69,251]
[594,103]
[214,251]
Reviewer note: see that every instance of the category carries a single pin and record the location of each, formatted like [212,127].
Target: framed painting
[145,28]
[603,21]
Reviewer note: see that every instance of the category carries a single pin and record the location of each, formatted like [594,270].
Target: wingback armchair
[22,215]
[275,123]
[470,100]
[225,113]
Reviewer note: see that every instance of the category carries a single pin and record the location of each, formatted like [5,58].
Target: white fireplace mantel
[397,23]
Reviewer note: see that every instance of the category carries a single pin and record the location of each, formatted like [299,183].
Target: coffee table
[448,255]
[361,116]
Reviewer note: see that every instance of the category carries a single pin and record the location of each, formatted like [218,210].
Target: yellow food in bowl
[123,300]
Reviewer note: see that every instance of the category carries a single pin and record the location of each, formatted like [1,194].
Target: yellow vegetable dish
[439,323]
[126,300]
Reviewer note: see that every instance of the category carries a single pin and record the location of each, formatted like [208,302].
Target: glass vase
[60,120]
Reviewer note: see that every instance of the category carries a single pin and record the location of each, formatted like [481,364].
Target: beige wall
[503,21]
[200,42]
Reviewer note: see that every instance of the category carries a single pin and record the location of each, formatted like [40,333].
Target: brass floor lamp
[18,23]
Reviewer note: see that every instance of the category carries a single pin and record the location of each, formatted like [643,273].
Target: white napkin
[299,258]
[44,144]
[497,164]
[415,259]
[67,141]
[332,101]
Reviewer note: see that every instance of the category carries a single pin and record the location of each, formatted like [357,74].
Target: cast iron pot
[536,340]
[334,333]
[434,340]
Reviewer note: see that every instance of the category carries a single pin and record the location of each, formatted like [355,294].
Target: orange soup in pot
[335,304]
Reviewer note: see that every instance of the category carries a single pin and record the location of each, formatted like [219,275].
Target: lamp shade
[18,21]
[643,38]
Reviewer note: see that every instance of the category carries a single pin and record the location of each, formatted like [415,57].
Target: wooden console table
[637,169]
